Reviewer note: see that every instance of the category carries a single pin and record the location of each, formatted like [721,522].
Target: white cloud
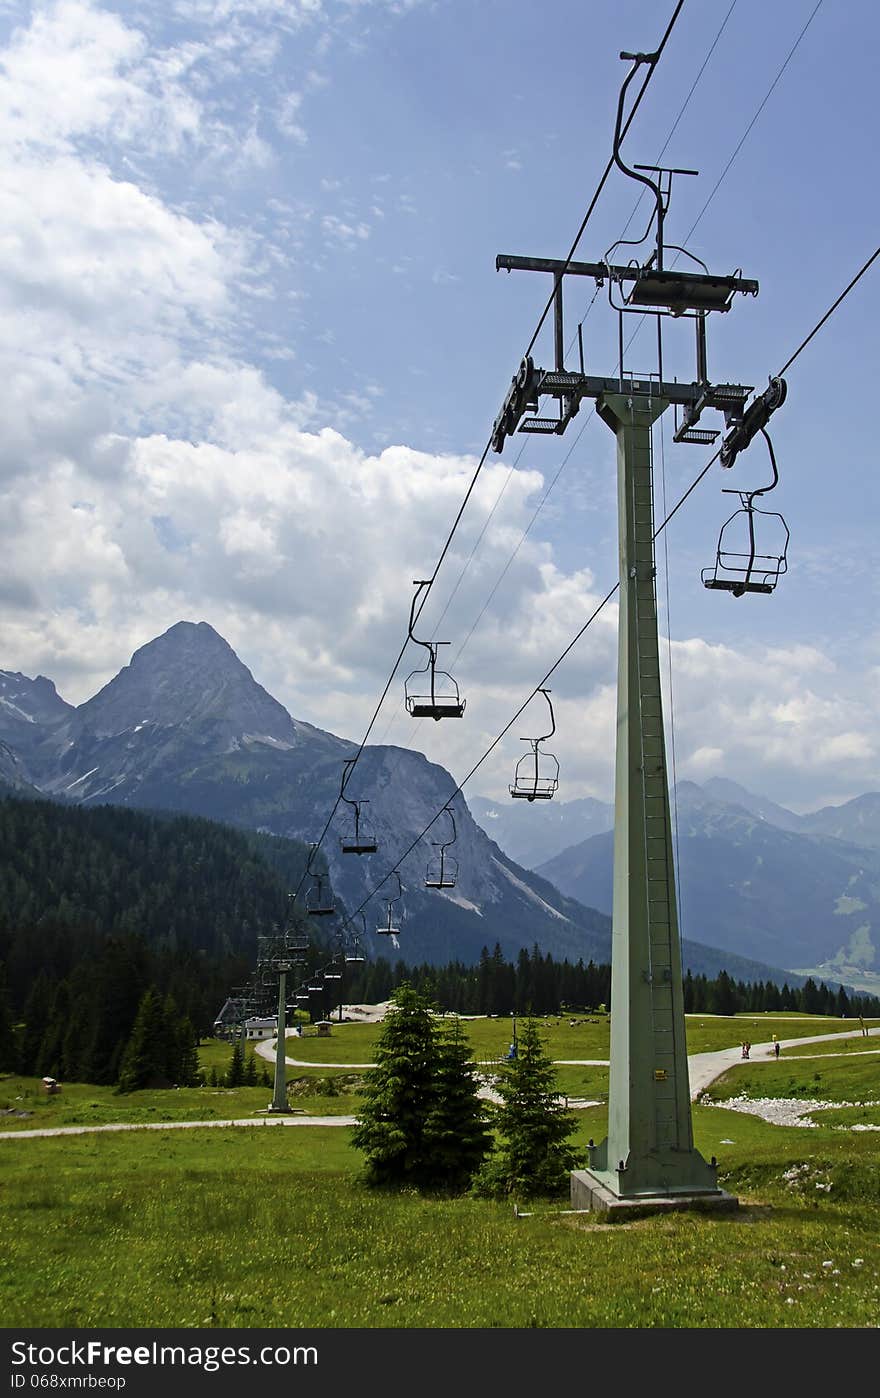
[151,471]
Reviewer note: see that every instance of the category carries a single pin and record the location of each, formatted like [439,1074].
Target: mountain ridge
[186,728]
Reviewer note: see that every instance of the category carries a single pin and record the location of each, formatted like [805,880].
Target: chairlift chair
[658,289]
[319,902]
[442,868]
[389,928]
[361,840]
[746,570]
[354,953]
[536,777]
[429,692]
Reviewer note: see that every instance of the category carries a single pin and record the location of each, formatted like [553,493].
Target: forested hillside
[97,906]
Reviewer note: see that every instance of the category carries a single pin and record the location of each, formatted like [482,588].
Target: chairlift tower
[278,956]
[648,1159]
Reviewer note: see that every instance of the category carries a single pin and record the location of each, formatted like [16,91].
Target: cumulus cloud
[152,471]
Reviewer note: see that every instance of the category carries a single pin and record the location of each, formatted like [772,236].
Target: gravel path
[181,1125]
[703,1069]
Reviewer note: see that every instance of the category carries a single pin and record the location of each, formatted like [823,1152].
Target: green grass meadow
[259,1227]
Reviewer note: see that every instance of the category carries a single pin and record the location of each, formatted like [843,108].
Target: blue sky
[253,343]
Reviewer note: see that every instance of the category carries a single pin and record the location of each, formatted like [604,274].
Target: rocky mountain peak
[36,700]
[189,677]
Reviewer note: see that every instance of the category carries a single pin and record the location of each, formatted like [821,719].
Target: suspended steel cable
[655,58]
[607,598]
[831,309]
[672,130]
[768,94]
[652,64]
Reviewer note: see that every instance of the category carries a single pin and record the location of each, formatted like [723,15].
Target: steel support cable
[581,323]
[831,309]
[766,99]
[659,530]
[571,344]
[541,683]
[737,148]
[641,322]
[655,58]
[672,130]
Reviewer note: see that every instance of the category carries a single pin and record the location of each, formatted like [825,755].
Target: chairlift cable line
[525,442]
[697,480]
[638,327]
[731,159]
[606,599]
[831,309]
[655,58]
[760,109]
[672,130]
[548,306]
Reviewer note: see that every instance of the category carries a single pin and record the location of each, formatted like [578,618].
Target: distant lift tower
[278,955]
[648,1160]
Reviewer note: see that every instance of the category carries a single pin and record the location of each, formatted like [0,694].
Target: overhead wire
[632,338]
[600,606]
[681,111]
[655,58]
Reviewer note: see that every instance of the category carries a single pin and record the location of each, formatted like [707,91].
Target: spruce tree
[145,1060]
[250,1070]
[235,1071]
[399,1095]
[457,1138]
[189,1072]
[532,1156]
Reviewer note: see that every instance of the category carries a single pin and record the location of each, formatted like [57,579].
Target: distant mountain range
[185,727]
[796,890]
[532,834]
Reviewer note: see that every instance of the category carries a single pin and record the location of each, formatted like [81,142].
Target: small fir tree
[145,1060]
[532,1156]
[189,1070]
[399,1095]
[456,1134]
[235,1071]
[250,1071]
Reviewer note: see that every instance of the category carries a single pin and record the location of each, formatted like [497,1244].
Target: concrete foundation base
[590,1195]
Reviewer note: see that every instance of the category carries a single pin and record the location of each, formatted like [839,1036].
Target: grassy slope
[333,1091]
[229,1228]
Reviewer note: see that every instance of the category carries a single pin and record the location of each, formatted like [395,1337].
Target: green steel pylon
[279,1094]
[649,1150]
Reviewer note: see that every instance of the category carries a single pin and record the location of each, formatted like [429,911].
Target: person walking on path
[776,1048]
